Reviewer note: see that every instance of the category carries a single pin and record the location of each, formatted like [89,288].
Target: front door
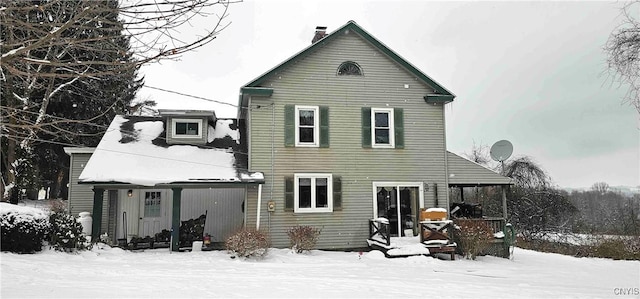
[151,213]
[400,203]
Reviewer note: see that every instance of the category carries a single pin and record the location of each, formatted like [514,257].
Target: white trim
[391,144]
[316,126]
[175,121]
[313,177]
[79,150]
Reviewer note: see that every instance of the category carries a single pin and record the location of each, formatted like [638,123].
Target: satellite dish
[501,150]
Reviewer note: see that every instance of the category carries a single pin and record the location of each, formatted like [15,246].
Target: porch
[166,215]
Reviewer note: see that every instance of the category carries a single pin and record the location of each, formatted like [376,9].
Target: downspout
[446,158]
[273,128]
[259,204]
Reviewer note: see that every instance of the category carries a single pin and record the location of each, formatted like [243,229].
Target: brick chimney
[321,31]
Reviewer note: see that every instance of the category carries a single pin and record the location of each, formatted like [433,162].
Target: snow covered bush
[473,237]
[303,238]
[65,232]
[248,243]
[23,228]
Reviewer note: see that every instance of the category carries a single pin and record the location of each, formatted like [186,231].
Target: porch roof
[466,173]
[134,151]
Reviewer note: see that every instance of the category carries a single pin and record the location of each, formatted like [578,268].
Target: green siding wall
[81,196]
[169,128]
[313,81]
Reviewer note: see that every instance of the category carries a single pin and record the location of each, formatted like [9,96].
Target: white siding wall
[224,206]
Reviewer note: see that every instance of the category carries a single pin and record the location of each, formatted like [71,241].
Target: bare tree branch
[623,51]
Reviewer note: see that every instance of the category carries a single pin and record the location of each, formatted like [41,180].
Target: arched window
[349,68]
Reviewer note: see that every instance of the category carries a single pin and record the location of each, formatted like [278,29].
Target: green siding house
[342,132]
[345,131]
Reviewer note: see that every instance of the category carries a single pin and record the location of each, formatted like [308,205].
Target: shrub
[23,229]
[618,248]
[473,237]
[303,238]
[248,243]
[57,206]
[65,232]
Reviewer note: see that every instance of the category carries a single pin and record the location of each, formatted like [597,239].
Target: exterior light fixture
[130,193]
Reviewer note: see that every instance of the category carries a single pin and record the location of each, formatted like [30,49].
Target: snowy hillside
[114,273]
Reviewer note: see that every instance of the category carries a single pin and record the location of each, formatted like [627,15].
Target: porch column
[504,202]
[96,226]
[175,219]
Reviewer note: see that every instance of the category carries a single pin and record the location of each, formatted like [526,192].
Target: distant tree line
[604,211]
[536,207]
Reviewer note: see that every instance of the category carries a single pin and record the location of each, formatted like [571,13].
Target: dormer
[188,126]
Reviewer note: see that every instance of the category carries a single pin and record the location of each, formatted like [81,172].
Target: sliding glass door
[400,203]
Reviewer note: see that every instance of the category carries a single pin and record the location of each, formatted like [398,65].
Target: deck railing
[496,223]
[380,231]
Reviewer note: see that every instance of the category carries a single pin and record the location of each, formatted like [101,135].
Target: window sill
[383,146]
[306,145]
[314,211]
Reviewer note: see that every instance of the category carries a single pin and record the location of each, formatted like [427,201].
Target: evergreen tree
[67,66]
[72,110]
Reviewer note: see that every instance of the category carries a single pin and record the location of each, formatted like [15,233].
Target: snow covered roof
[134,150]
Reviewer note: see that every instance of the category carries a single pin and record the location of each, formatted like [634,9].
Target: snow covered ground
[115,273]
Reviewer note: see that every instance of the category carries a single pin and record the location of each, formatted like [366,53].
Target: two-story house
[344,131]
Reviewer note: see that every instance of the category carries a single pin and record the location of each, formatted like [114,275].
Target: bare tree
[479,154]
[623,51]
[527,174]
[51,47]
[600,187]
[536,207]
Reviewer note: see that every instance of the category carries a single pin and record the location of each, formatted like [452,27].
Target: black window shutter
[398,127]
[366,127]
[288,194]
[289,125]
[324,126]
[337,193]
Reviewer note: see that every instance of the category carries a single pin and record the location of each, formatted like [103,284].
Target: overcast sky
[533,73]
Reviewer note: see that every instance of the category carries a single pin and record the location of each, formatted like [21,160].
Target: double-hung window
[307,126]
[382,133]
[186,128]
[313,193]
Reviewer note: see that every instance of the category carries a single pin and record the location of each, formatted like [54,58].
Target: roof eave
[186,184]
[438,98]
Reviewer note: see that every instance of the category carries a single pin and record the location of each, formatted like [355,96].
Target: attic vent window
[349,68]
[187,128]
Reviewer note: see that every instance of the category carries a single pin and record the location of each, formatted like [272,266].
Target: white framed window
[382,134]
[313,193]
[186,128]
[307,126]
